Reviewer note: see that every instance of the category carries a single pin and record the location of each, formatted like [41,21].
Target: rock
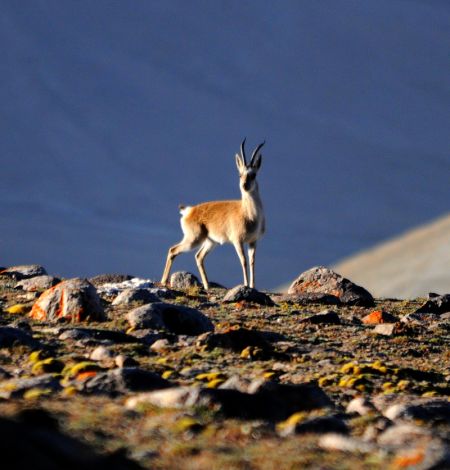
[361,406]
[17,387]
[400,434]
[428,410]
[10,337]
[388,329]
[273,402]
[101,279]
[437,304]
[125,361]
[101,353]
[184,280]
[307,298]
[235,338]
[37,283]
[317,425]
[4,374]
[160,345]
[344,443]
[97,334]
[173,318]
[147,336]
[128,296]
[247,294]
[124,380]
[235,382]
[32,440]
[379,316]
[74,300]
[321,280]
[24,271]
[326,317]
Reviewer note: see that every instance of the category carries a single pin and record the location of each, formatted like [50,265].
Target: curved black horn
[243,151]
[255,152]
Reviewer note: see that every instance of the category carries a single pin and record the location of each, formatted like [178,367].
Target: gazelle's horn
[255,153]
[243,151]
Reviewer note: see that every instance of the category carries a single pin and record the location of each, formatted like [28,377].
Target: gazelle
[218,222]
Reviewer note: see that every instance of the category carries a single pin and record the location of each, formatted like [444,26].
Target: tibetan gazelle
[237,222]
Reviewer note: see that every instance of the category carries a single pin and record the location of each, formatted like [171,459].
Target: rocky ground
[120,373]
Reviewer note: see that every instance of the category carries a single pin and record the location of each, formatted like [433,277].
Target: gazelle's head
[248,171]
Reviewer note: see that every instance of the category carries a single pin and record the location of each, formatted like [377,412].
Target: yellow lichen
[166,374]
[18,309]
[47,365]
[71,371]
[34,393]
[215,383]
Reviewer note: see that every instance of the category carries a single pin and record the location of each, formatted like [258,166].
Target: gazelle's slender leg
[240,252]
[174,251]
[207,246]
[251,259]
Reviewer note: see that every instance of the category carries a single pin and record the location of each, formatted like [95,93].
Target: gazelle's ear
[239,163]
[257,162]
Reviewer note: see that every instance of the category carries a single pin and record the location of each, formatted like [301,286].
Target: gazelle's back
[220,221]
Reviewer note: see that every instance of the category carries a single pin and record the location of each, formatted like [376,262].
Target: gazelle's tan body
[237,222]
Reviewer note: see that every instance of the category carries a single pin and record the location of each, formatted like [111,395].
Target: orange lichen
[86,375]
[404,461]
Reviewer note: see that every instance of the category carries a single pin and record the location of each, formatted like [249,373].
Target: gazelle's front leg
[251,259]
[239,247]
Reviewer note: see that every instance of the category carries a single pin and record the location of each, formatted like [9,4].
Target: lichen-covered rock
[75,300]
[379,316]
[247,294]
[184,280]
[321,280]
[37,283]
[24,271]
[173,318]
[128,296]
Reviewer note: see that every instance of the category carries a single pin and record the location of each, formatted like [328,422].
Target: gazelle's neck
[251,203]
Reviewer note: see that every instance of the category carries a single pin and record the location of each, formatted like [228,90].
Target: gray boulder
[24,271]
[75,300]
[129,296]
[437,304]
[321,280]
[184,280]
[16,387]
[124,380]
[273,402]
[247,294]
[173,318]
[37,283]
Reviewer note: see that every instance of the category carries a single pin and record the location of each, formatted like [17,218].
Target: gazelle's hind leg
[207,246]
[174,251]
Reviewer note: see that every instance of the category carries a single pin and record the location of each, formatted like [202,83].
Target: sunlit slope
[407,266]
